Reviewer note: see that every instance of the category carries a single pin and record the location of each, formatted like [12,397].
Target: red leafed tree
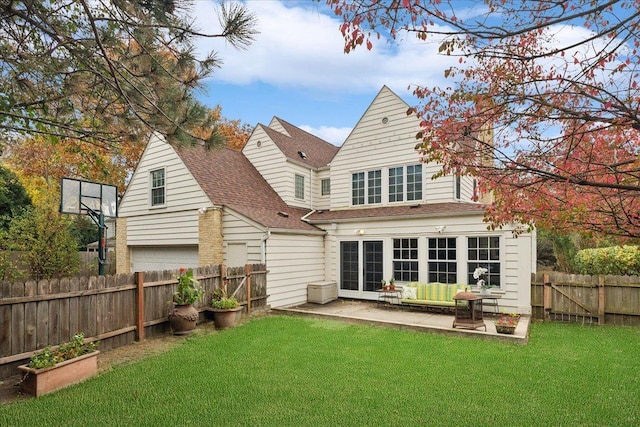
[555,84]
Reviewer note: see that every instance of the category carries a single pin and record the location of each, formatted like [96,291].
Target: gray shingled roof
[228,178]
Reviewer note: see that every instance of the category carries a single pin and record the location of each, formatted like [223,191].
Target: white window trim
[150,193]
[295,187]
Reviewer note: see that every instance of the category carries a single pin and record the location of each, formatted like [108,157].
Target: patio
[392,315]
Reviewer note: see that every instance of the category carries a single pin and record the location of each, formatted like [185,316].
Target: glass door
[361,268]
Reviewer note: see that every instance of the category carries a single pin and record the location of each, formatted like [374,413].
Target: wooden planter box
[505,329]
[72,371]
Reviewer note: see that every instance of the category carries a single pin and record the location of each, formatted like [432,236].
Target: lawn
[277,371]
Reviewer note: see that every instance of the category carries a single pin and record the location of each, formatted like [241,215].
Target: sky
[296,69]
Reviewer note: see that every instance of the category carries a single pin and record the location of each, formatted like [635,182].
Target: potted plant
[54,368]
[226,309]
[479,274]
[183,316]
[506,323]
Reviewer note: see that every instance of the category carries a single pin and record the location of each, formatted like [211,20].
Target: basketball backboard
[81,197]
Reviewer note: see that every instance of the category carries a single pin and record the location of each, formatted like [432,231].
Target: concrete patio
[396,316]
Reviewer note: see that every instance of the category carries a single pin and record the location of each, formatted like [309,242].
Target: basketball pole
[98,218]
[102,245]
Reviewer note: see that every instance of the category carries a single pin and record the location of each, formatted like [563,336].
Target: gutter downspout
[304,217]
[263,246]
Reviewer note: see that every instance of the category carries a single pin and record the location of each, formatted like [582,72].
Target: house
[313,212]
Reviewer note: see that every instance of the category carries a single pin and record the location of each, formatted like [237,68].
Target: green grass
[305,372]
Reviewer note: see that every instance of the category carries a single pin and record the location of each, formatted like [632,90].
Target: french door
[361,268]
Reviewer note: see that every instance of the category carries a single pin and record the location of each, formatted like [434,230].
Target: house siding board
[277,126]
[238,229]
[321,202]
[309,178]
[181,191]
[294,261]
[269,161]
[374,145]
[163,228]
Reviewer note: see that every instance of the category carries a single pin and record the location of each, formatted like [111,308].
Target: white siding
[277,126]
[177,221]
[321,202]
[515,252]
[163,228]
[294,261]
[270,162]
[238,229]
[375,145]
[163,258]
[310,190]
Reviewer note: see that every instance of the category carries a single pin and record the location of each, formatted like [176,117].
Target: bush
[615,260]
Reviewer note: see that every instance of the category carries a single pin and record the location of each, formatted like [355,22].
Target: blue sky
[296,69]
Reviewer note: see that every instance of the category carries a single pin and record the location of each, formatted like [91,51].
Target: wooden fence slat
[106,308]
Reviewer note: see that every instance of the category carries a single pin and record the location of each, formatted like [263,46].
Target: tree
[111,68]
[234,132]
[13,197]
[43,236]
[555,85]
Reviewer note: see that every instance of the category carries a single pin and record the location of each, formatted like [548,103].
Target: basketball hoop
[95,200]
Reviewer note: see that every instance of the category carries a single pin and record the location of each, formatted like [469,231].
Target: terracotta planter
[226,317]
[46,380]
[183,319]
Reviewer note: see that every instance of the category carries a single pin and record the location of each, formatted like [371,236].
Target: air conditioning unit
[322,292]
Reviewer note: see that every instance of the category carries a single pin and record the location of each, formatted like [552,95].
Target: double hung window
[157,187]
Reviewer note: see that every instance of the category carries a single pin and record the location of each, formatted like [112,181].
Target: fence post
[601,320]
[546,295]
[139,305]
[247,273]
[223,278]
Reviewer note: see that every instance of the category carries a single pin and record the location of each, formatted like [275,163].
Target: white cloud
[300,47]
[334,135]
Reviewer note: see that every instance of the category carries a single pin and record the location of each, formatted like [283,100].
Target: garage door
[163,258]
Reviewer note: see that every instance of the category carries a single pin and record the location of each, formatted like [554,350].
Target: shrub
[615,260]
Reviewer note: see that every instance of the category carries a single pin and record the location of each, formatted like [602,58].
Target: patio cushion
[435,293]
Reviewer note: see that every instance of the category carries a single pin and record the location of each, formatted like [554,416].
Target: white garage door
[163,258]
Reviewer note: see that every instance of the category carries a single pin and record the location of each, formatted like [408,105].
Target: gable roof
[228,178]
[318,152]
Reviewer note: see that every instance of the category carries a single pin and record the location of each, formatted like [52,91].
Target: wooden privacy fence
[589,299]
[113,309]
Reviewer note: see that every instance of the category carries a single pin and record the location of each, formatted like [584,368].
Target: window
[458,187]
[371,191]
[405,260]
[157,187]
[374,186]
[484,252]
[357,188]
[299,187]
[442,260]
[396,184]
[414,182]
[325,187]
